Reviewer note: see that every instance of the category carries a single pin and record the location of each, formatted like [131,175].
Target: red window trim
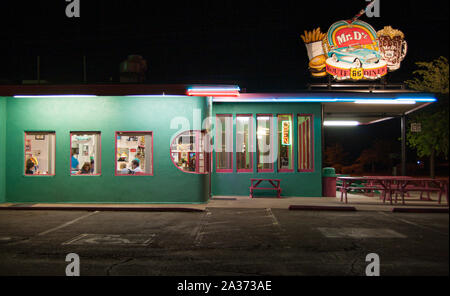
[115,153]
[197,142]
[100,156]
[312,144]
[238,170]
[257,158]
[292,150]
[232,145]
[25,155]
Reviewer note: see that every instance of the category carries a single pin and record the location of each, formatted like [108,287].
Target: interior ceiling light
[341,123]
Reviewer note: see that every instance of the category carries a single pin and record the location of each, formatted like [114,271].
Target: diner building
[136,143]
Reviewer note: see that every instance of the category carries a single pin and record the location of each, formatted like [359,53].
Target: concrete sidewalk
[359,202]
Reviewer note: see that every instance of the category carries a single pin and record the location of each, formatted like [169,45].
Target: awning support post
[403,127]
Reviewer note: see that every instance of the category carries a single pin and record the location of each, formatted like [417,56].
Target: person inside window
[85,169]
[92,164]
[192,163]
[135,166]
[124,169]
[74,162]
[29,167]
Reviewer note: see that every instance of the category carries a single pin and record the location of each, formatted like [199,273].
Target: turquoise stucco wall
[308,184]
[2,148]
[107,115]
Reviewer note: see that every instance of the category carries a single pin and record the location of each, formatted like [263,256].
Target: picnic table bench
[275,185]
[395,184]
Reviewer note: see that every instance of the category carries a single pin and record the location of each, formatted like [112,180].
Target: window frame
[250,128]
[278,144]
[198,134]
[25,155]
[257,146]
[100,149]
[115,154]
[312,143]
[229,170]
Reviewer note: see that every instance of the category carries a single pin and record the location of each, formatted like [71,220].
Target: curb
[321,208]
[418,210]
[123,209]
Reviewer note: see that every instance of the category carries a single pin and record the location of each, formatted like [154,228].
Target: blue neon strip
[323,100]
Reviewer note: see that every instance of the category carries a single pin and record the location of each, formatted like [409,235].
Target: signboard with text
[353,50]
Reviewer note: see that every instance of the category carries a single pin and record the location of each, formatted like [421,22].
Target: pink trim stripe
[115,154]
[197,153]
[100,156]
[306,143]
[25,153]
[228,155]
[250,144]
[271,170]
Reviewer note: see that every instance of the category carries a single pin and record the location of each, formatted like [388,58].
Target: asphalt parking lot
[223,241]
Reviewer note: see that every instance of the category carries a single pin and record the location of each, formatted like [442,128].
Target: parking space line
[67,224]
[199,231]
[272,216]
[412,223]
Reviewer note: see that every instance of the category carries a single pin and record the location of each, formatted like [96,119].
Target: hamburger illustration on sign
[313,41]
[353,50]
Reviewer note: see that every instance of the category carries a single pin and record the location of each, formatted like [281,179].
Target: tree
[378,156]
[334,156]
[433,77]
[433,139]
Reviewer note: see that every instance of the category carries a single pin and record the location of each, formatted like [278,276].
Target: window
[224,143]
[305,143]
[285,144]
[244,143]
[40,153]
[85,150]
[134,153]
[264,126]
[190,152]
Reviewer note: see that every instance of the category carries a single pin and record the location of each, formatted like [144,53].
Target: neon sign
[286,133]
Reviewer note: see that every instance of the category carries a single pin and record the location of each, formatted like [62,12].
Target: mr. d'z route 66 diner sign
[353,50]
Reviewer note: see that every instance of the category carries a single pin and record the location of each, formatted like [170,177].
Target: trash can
[329,182]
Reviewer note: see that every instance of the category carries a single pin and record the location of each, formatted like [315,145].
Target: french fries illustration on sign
[312,36]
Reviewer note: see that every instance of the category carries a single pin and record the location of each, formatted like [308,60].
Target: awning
[363,107]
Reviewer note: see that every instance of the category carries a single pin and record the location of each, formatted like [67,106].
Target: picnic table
[275,185]
[395,185]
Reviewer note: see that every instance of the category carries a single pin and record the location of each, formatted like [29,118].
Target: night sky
[254,44]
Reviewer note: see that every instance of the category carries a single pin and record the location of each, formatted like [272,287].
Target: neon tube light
[341,123]
[215,88]
[232,91]
[55,96]
[213,93]
[418,99]
[384,102]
